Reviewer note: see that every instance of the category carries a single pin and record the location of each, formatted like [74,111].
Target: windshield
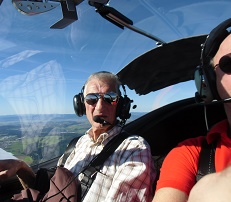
[42,68]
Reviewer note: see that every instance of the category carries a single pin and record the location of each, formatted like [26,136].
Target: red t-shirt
[180,167]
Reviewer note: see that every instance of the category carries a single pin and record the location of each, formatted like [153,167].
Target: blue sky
[42,69]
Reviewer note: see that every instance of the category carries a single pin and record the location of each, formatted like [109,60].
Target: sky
[41,69]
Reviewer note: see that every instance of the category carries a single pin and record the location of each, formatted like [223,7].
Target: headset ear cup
[211,86]
[205,80]
[197,79]
[200,85]
[79,106]
[119,106]
[123,108]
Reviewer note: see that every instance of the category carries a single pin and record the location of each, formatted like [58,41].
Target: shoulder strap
[206,163]
[93,167]
[109,149]
[69,149]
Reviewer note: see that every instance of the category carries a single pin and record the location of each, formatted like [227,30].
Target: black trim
[206,163]
[90,171]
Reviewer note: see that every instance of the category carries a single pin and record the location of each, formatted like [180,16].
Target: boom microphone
[226,100]
[97,119]
[200,101]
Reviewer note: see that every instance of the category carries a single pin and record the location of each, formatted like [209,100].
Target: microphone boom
[97,119]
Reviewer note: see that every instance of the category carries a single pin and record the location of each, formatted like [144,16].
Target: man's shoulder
[136,140]
[196,141]
[131,136]
[186,148]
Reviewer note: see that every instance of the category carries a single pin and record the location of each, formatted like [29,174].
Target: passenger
[179,169]
[128,174]
[213,188]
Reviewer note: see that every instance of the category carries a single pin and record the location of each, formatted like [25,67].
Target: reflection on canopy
[32,95]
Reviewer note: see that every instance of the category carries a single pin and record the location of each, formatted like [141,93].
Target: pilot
[180,167]
[128,174]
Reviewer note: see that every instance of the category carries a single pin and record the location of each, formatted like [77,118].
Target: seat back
[165,127]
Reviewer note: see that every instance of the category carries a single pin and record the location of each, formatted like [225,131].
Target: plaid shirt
[127,175]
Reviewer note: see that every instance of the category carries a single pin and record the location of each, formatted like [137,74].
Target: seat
[165,127]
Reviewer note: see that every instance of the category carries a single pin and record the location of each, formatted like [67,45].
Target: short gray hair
[106,76]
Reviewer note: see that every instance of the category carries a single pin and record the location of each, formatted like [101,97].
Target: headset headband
[213,41]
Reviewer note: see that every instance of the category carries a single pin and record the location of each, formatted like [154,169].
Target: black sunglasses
[111,98]
[225,64]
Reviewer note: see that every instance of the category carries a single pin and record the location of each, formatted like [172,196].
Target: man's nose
[100,103]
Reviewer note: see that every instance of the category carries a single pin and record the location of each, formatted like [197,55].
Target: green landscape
[36,139]
[39,138]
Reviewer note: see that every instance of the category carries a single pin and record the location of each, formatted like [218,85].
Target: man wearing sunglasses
[101,96]
[128,174]
[180,169]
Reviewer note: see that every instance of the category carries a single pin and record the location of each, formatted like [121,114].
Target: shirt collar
[106,136]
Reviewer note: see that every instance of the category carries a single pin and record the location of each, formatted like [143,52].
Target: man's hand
[12,167]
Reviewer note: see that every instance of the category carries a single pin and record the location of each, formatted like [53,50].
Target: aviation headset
[205,76]
[122,110]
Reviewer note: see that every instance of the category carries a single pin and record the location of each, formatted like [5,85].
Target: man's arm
[135,174]
[12,167]
[178,172]
[169,195]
